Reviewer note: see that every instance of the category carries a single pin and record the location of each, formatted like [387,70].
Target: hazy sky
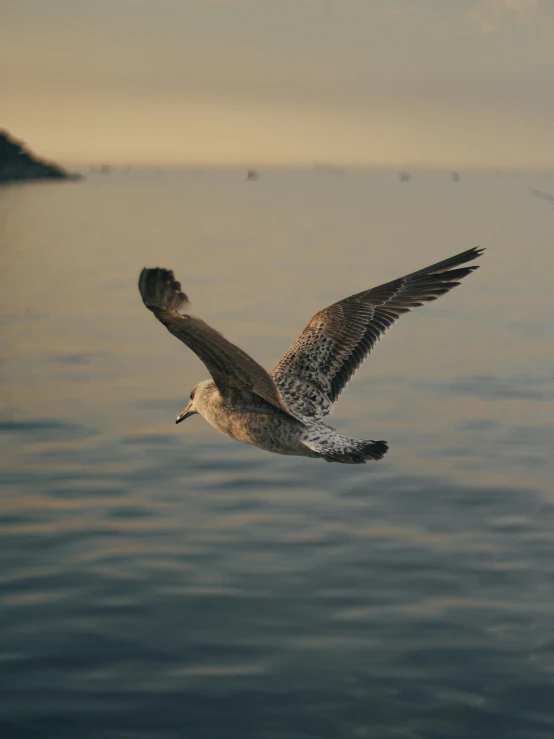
[378,82]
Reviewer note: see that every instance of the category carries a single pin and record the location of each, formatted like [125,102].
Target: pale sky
[437,83]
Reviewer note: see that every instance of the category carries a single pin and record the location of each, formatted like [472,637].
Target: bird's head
[197,399]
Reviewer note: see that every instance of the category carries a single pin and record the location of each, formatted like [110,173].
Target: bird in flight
[282,411]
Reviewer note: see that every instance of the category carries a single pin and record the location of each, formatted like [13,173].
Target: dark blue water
[162,581]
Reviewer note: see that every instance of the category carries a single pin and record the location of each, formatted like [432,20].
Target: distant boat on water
[250,174]
[455,176]
[405,177]
[106,168]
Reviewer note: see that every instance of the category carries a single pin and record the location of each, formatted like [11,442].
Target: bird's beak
[185,414]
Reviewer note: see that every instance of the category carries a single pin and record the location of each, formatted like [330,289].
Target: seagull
[282,411]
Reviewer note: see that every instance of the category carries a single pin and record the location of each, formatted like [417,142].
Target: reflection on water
[163,581]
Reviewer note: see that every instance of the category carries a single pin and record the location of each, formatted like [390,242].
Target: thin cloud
[489,14]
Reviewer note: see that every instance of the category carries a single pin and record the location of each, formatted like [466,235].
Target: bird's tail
[335,447]
[160,290]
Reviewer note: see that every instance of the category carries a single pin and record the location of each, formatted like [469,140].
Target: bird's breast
[258,426]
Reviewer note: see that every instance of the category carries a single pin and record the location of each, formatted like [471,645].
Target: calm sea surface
[166,582]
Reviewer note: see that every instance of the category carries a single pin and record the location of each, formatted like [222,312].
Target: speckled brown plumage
[281,411]
[312,374]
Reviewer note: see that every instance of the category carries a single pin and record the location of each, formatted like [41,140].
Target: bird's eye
[192,395]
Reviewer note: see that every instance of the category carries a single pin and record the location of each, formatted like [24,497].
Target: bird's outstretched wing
[318,366]
[231,368]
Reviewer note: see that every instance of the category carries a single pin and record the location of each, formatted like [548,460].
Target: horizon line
[332,167]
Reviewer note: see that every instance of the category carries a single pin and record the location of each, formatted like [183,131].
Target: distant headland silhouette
[18,164]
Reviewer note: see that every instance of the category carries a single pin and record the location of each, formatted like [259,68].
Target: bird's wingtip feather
[159,289]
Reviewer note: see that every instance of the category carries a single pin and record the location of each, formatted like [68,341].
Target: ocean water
[163,581]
